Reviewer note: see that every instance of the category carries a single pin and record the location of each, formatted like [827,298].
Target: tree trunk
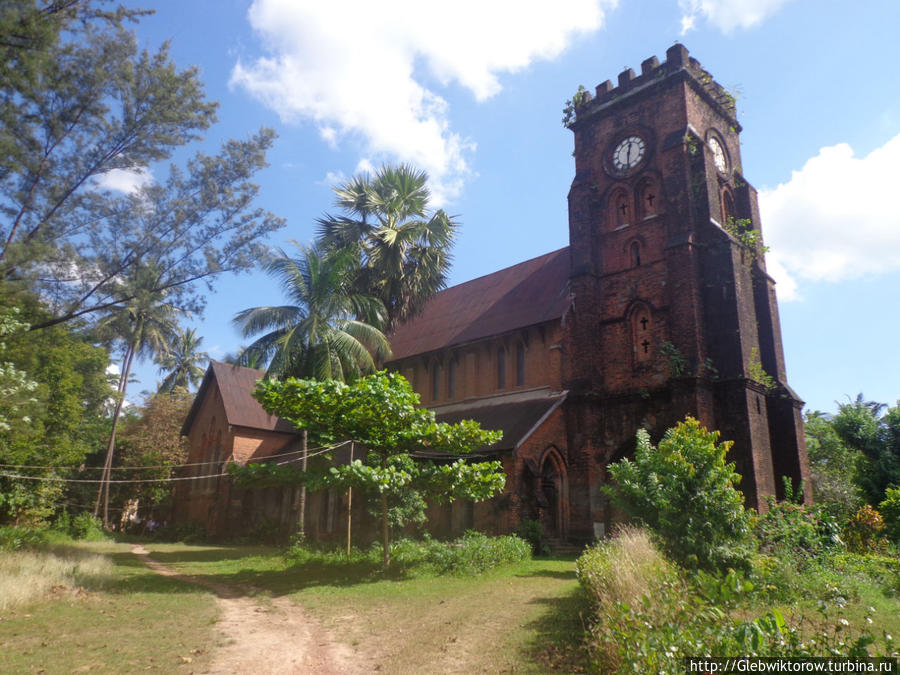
[349,506]
[303,457]
[103,491]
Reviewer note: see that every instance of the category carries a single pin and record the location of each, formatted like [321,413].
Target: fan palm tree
[402,247]
[181,362]
[327,332]
[142,327]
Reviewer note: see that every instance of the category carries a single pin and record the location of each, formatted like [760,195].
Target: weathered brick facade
[660,307]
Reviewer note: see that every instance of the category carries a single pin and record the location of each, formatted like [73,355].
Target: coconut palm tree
[142,327]
[327,332]
[181,362]
[402,247]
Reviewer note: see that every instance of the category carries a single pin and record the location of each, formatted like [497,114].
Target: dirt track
[263,636]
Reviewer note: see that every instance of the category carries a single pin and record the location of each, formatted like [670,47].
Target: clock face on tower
[628,153]
[719,156]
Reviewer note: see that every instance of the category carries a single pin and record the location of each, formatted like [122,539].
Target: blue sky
[473,92]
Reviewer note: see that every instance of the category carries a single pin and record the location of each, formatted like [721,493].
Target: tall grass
[27,576]
[624,569]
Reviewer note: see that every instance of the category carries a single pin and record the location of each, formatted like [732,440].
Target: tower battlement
[678,62]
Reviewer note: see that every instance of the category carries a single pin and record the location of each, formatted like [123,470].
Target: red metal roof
[236,384]
[532,292]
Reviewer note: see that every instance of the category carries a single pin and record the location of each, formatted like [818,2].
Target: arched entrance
[553,494]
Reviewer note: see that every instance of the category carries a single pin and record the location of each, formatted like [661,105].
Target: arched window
[635,251]
[436,382]
[620,206]
[501,368]
[727,209]
[648,199]
[642,334]
[520,364]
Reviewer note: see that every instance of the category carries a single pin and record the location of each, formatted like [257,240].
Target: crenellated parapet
[678,64]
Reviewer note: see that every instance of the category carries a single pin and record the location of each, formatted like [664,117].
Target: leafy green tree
[381,413]
[873,429]
[320,334]
[151,437]
[685,492]
[402,247]
[181,362]
[67,417]
[833,468]
[86,103]
[143,327]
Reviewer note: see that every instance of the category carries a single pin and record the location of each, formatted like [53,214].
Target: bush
[865,531]
[17,538]
[86,526]
[890,511]
[473,553]
[533,532]
[795,530]
[684,491]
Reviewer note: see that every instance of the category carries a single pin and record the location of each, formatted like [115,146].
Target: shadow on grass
[210,554]
[559,644]
[550,574]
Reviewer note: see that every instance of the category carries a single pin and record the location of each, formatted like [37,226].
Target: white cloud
[371,70]
[726,15]
[835,219]
[124,180]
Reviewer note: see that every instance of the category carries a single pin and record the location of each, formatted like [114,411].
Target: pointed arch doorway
[553,494]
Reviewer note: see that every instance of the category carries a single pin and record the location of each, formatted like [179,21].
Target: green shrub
[890,511]
[473,553]
[17,538]
[684,491]
[533,532]
[794,529]
[86,526]
[865,531]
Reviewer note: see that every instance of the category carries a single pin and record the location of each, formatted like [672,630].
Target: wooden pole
[349,506]
[303,487]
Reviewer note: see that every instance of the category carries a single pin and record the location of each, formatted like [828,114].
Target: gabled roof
[530,293]
[236,385]
[517,416]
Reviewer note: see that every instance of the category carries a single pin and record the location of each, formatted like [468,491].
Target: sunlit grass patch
[27,576]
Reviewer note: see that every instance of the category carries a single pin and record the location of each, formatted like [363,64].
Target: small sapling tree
[684,491]
[381,413]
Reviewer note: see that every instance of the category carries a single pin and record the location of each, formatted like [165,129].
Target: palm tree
[143,327]
[181,362]
[327,332]
[402,247]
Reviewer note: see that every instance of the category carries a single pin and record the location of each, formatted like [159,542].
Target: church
[660,307]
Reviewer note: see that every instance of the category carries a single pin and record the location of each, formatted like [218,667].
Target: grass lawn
[525,617]
[131,621]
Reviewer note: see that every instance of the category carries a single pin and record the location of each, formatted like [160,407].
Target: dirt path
[264,638]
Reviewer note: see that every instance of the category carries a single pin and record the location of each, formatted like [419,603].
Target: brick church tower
[672,311]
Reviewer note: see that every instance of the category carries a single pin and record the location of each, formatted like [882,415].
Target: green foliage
[18,538]
[381,413]
[85,101]
[17,400]
[795,530]
[684,491]
[890,511]
[322,334]
[757,373]
[533,532]
[832,468]
[869,428]
[675,360]
[649,616]
[473,553]
[400,246]
[749,239]
[864,533]
[572,104]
